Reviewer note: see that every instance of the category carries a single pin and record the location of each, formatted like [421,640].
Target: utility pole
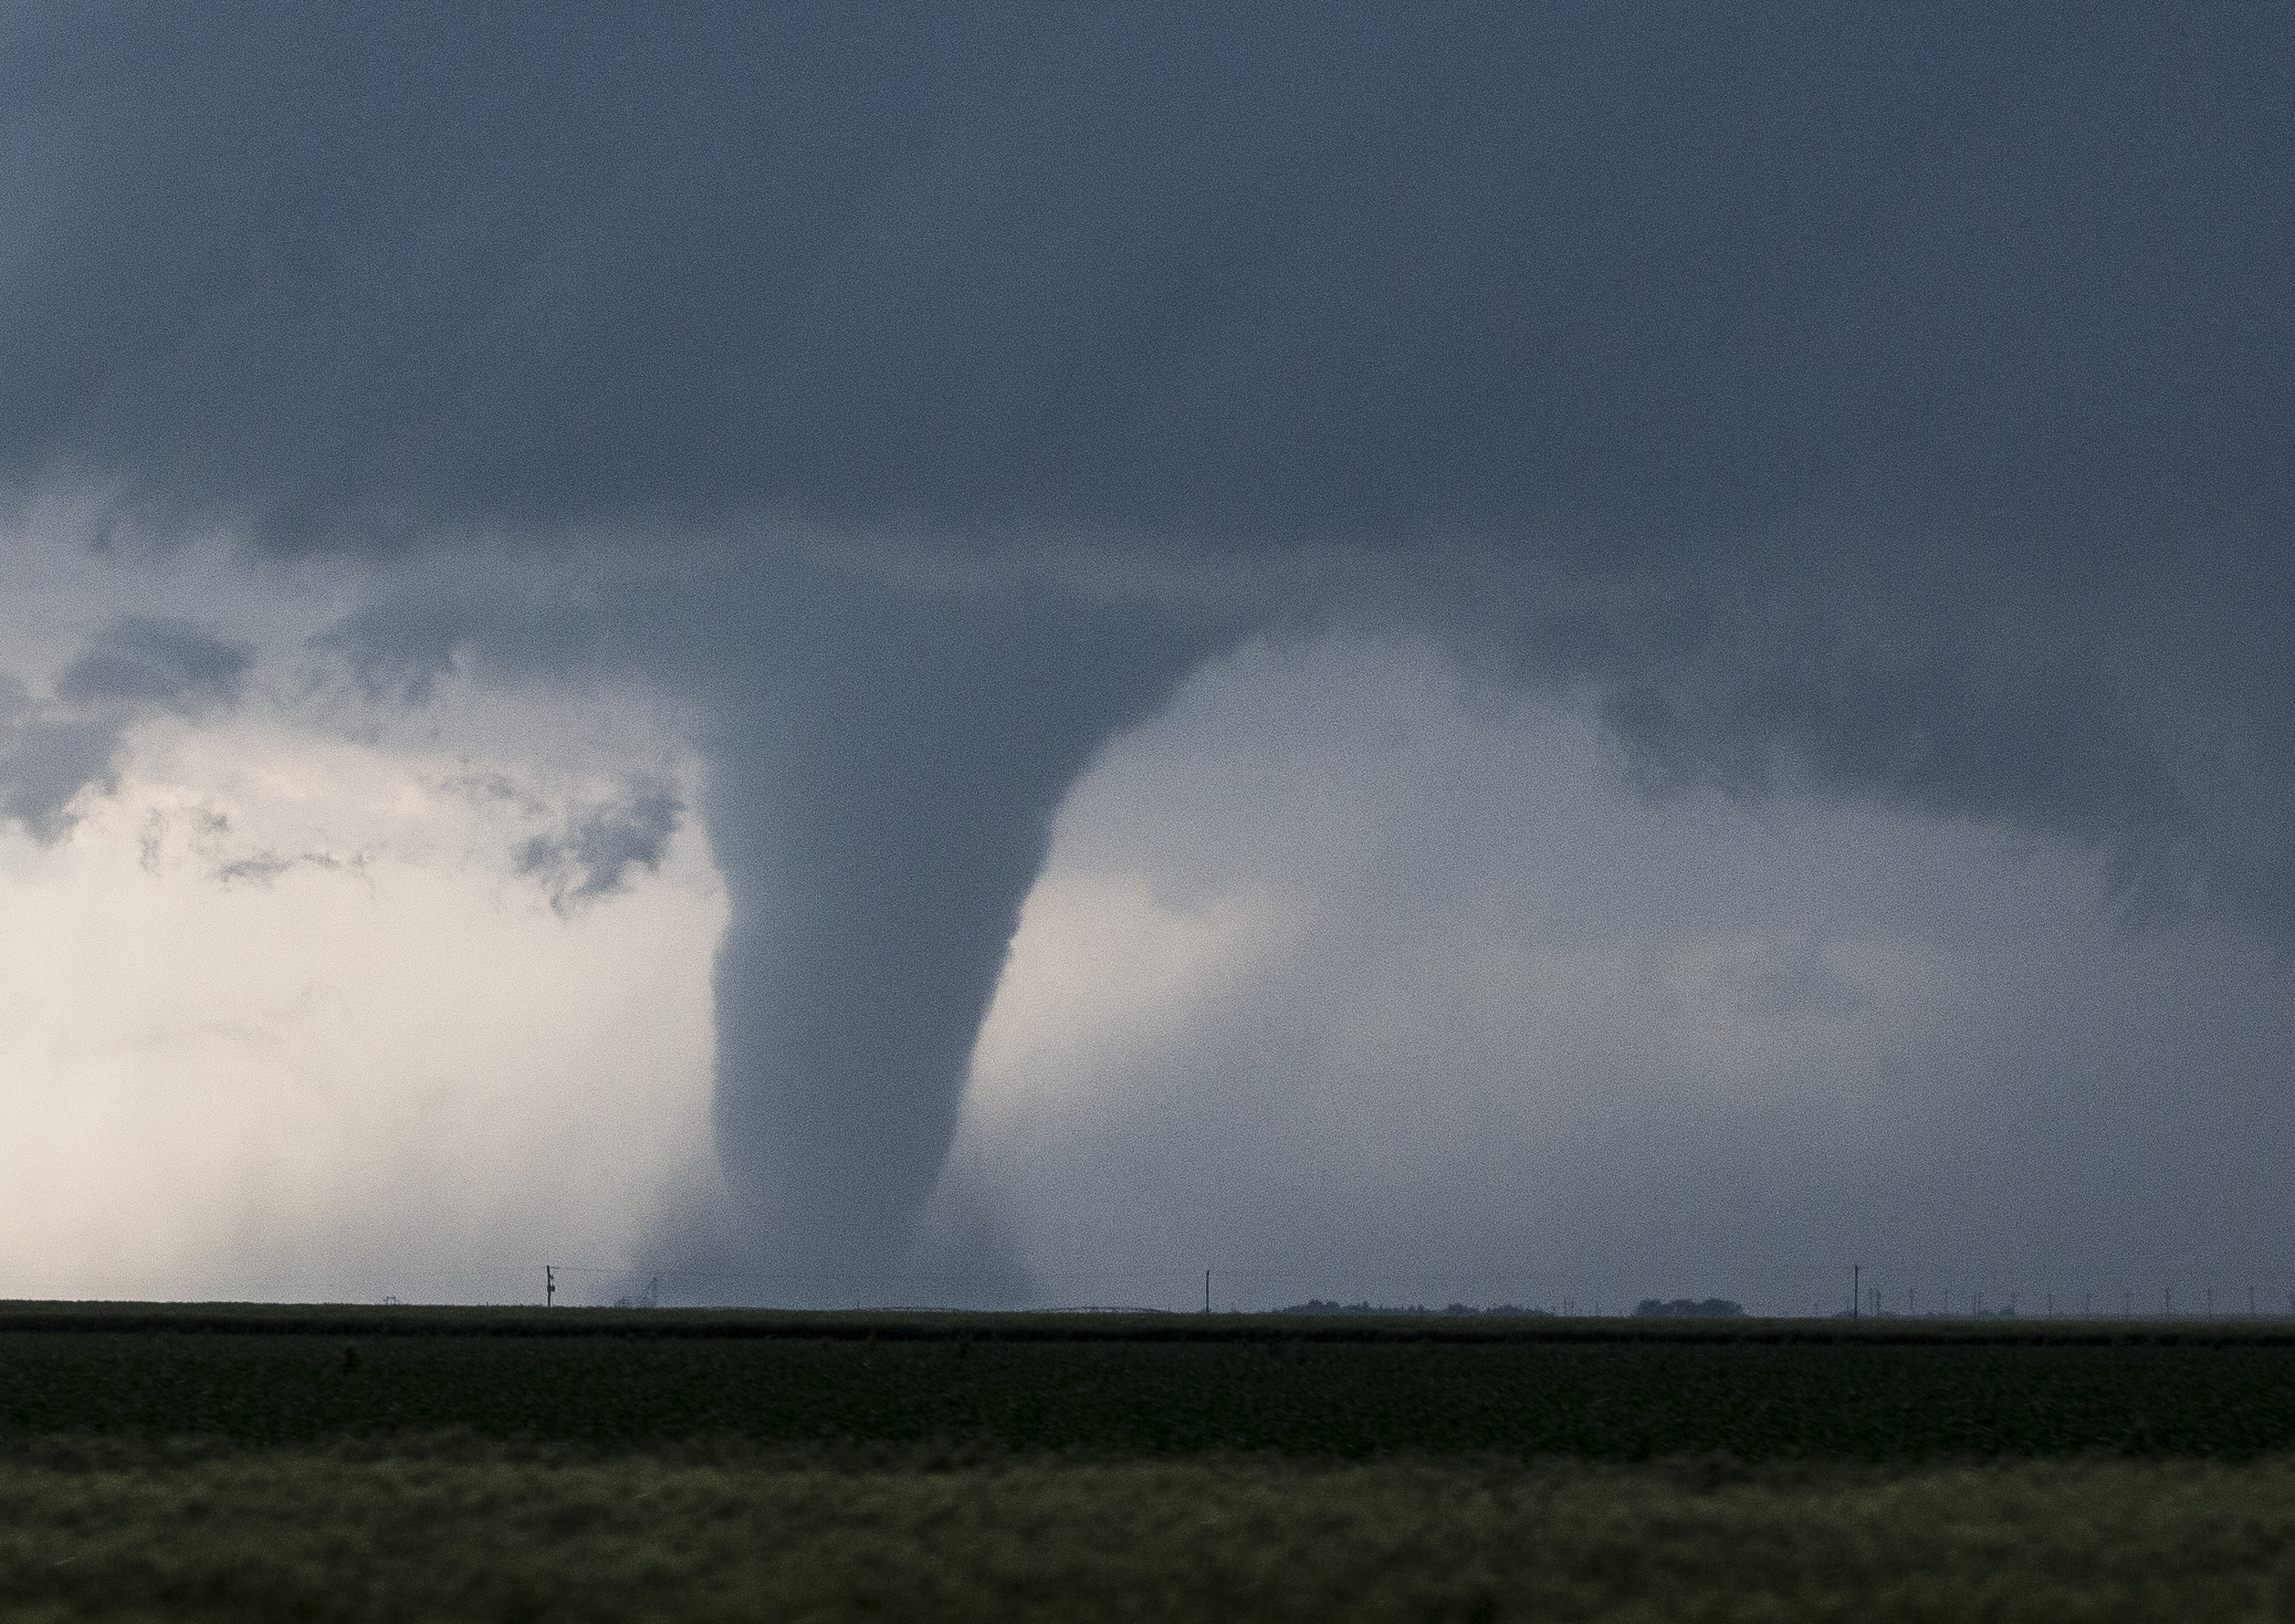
[1856,1289]
[1207,1291]
[550,1285]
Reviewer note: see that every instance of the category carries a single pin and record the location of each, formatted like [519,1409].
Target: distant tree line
[1683,1308]
[1317,1306]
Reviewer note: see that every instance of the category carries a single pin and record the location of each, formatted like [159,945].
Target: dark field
[1160,1385]
[465,1464]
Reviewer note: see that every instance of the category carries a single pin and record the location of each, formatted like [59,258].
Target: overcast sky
[1596,651]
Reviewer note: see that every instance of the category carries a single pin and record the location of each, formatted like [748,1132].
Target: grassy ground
[263,1463]
[478,1532]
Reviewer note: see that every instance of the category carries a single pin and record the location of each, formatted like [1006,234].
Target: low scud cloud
[1859,429]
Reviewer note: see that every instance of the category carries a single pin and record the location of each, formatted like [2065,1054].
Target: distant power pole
[550,1285]
[1207,1291]
[1856,1289]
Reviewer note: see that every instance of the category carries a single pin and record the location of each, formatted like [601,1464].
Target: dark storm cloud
[1893,398]
[600,845]
[46,762]
[264,868]
[133,667]
[1224,271]
[162,664]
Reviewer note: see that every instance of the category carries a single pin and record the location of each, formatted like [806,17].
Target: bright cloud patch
[1352,977]
[1103,967]
[291,1016]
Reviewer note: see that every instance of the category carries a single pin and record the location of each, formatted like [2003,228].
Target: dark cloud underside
[170,664]
[133,667]
[1224,272]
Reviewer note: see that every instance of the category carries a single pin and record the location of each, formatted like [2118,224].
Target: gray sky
[1861,429]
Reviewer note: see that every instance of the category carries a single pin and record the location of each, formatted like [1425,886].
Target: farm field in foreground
[371,1464]
[476,1532]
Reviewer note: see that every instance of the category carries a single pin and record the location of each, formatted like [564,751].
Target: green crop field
[384,1463]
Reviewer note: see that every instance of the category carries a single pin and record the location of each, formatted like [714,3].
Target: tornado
[884,764]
